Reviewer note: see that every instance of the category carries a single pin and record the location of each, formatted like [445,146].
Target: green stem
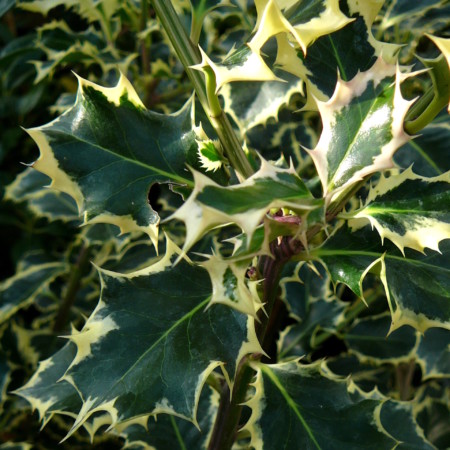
[190,56]
[427,107]
[144,47]
[73,285]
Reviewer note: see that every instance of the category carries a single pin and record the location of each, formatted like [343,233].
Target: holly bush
[236,234]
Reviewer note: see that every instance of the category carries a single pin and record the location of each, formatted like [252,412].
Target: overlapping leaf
[107,150]
[409,210]
[417,286]
[172,432]
[433,353]
[211,205]
[46,393]
[230,286]
[362,128]
[303,21]
[398,418]
[251,104]
[61,46]
[150,345]
[427,152]
[30,185]
[368,338]
[343,53]
[301,406]
[20,290]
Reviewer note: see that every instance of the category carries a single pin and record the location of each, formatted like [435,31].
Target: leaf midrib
[165,335]
[169,175]
[332,182]
[291,403]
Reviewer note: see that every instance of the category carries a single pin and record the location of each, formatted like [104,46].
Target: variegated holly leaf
[427,152]
[46,392]
[287,138]
[311,302]
[443,45]
[30,186]
[303,21]
[362,128]
[150,345]
[368,338]
[251,104]
[298,339]
[241,64]
[398,419]
[303,284]
[433,353]
[417,286]
[398,12]
[408,209]
[245,204]
[367,376]
[433,413]
[20,290]
[258,244]
[303,406]
[343,53]
[231,287]
[44,6]
[16,446]
[170,432]
[107,150]
[62,45]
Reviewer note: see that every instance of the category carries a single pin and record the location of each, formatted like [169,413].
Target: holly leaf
[241,64]
[398,418]
[303,21]
[338,55]
[362,128]
[211,205]
[150,345]
[108,149]
[231,287]
[46,392]
[251,104]
[396,13]
[172,432]
[417,286]
[303,406]
[368,339]
[428,152]
[20,290]
[30,186]
[408,209]
[433,353]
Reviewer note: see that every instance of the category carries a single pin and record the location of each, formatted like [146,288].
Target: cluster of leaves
[298,296]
